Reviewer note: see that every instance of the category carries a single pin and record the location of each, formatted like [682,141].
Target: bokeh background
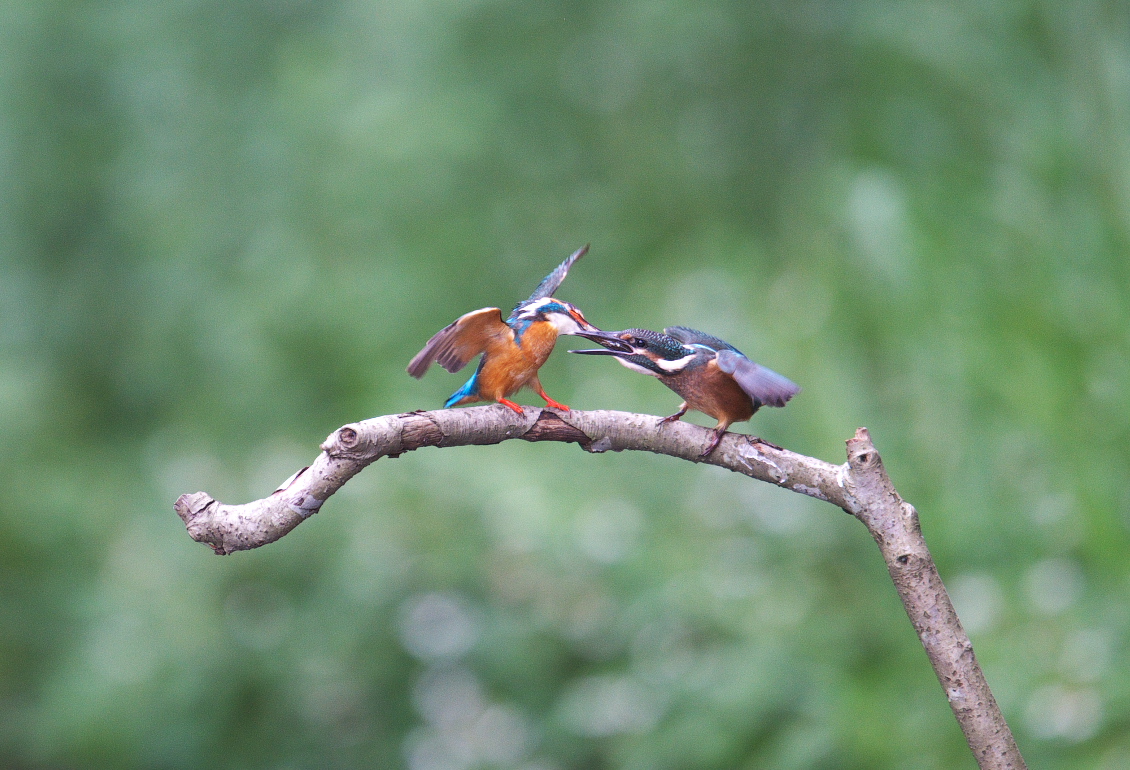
[225,227]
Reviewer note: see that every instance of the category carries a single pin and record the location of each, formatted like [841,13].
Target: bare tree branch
[860,487]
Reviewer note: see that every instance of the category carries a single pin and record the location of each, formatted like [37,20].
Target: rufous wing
[460,341]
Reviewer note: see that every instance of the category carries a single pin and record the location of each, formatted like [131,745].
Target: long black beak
[613,345]
[601,352]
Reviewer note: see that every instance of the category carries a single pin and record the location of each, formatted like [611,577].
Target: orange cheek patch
[579,317]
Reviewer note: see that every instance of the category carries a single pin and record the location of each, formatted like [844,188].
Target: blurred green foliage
[225,227]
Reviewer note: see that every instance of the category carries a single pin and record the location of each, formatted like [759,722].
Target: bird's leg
[536,385]
[677,415]
[716,436]
[511,404]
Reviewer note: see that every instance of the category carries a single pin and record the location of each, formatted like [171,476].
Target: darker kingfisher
[513,350]
[712,376]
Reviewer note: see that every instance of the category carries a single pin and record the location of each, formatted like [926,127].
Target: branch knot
[550,427]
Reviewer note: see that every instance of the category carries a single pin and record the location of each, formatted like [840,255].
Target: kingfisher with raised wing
[512,350]
[711,375]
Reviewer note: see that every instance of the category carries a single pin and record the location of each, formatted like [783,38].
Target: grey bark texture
[860,487]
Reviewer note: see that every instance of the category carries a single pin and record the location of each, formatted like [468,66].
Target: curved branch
[228,528]
[860,487]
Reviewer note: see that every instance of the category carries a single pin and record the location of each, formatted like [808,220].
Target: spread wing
[689,336]
[457,343]
[763,385]
[552,281]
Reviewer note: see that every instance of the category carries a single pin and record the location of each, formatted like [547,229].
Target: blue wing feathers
[552,281]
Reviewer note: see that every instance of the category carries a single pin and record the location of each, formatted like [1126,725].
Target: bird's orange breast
[538,342]
[713,392]
[510,368]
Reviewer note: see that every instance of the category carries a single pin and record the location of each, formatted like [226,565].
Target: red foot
[511,404]
[548,401]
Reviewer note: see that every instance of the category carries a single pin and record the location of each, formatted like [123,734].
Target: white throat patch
[563,323]
[677,365]
[636,367]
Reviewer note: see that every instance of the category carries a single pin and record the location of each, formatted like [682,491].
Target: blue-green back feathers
[689,336]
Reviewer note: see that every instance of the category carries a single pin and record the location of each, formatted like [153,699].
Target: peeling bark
[860,487]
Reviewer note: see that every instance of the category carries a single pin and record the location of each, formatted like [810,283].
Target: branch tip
[190,506]
[861,452]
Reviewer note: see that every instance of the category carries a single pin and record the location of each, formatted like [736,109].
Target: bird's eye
[638,342]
